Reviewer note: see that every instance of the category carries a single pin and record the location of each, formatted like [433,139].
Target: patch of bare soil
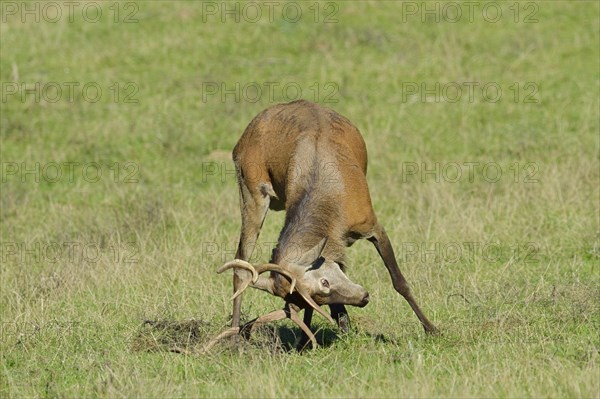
[190,336]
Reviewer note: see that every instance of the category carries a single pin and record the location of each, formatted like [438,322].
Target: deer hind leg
[254,204]
[384,247]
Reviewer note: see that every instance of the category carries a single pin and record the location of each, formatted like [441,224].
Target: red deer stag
[312,162]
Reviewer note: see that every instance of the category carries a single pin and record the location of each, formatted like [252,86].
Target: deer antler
[313,304]
[267,267]
[242,264]
[288,311]
[272,267]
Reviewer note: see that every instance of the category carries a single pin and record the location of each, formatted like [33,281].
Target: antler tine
[313,304]
[296,319]
[272,267]
[242,264]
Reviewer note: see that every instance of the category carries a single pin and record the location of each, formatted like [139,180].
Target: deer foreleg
[254,206]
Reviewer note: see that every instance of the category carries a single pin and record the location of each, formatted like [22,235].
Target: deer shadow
[165,335]
[290,337]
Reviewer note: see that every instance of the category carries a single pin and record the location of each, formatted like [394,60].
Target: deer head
[308,279]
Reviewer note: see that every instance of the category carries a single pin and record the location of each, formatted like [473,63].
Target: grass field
[118,203]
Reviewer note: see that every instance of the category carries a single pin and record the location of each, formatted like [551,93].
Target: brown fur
[312,162]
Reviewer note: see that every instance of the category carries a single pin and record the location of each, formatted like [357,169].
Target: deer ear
[313,254]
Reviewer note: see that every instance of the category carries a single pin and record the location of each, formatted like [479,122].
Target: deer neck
[313,216]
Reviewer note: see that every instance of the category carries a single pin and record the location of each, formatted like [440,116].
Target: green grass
[519,322]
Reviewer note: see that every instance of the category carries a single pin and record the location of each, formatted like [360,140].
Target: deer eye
[325,283]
